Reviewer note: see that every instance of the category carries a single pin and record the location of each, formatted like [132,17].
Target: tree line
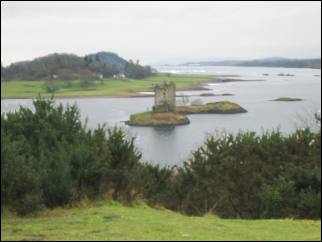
[72,67]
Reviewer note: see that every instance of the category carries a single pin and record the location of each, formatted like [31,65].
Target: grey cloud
[161,30]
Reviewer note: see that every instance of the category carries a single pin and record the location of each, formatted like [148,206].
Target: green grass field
[110,87]
[112,221]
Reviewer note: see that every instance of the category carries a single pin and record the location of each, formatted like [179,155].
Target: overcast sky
[156,31]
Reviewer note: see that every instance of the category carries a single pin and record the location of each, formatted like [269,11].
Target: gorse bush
[251,176]
[49,159]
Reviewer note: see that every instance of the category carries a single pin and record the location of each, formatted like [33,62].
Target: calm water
[173,145]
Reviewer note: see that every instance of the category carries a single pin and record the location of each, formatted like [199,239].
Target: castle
[165,97]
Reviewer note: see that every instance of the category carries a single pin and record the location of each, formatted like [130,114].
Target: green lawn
[112,221]
[110,87]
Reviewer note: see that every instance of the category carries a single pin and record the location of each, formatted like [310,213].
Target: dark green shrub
[49,159]
[154,184]
[252,176]
[124,158]
[20,180]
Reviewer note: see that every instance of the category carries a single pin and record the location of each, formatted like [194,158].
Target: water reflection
[164,130]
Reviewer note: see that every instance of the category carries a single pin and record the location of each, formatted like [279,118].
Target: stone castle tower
[165,97]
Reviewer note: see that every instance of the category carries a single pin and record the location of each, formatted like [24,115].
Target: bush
[20,180]
[154,184]
[49,159]
[124,158]
[250,176]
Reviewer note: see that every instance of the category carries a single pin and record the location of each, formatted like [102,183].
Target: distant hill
[108,58]
[70,67]
[268,62]
[46,67]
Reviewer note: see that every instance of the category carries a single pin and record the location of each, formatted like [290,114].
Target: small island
[157,119]
[285,74]
[287,99]
[206,94]
[166,113]
[235,80]
[222,107]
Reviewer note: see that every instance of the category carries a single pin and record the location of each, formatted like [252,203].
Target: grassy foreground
[112,221]
[109,87]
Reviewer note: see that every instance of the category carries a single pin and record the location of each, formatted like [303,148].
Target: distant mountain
[108,58]
[267,62]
